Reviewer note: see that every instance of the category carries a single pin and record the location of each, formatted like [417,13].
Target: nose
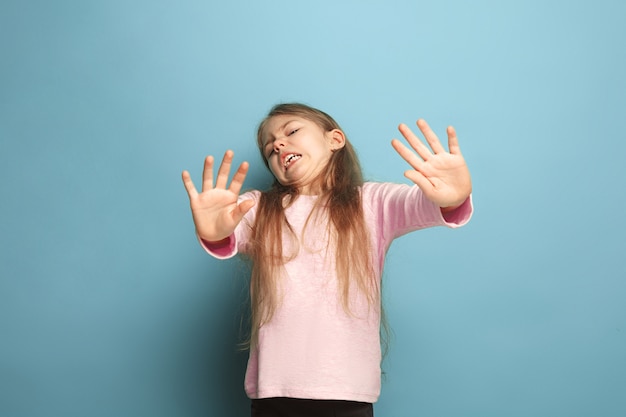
[278,144]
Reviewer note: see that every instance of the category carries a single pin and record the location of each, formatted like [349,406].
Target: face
[297,150]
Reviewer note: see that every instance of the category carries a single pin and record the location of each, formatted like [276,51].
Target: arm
[442,176]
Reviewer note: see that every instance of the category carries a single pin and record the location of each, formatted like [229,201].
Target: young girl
[317,240]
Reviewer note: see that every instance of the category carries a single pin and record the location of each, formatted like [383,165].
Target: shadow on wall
[229,373]
[215,362]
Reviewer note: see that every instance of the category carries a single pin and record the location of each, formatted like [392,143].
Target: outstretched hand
[215,210]
[443,176]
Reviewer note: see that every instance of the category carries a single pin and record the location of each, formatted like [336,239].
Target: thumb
[241,209]
[418,178]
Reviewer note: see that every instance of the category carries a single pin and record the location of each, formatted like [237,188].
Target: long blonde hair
[339,188]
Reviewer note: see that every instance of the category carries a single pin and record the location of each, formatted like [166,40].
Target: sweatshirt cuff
[224,249]
[460,215]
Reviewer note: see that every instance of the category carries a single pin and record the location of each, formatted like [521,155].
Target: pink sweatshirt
[312,348]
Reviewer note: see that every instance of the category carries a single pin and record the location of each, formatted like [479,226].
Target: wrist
[452,207]
[214,241]
[448,209]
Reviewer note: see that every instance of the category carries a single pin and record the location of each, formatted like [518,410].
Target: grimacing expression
[297,150]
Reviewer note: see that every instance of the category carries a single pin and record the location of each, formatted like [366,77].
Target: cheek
[274,168]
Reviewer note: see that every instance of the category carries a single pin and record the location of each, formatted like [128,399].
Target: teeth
[290,159]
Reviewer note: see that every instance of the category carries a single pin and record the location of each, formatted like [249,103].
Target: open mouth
[290,159]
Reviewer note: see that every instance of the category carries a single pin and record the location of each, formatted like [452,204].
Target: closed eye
[293,131]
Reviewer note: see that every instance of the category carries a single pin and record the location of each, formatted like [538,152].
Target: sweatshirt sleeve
[401,208]
[238,241]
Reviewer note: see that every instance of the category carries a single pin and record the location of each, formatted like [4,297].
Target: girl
[317,240]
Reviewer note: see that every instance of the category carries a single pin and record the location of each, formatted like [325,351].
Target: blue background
[108,306]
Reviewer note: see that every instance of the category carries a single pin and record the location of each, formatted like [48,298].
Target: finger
[242,209]
[239,178]
[419,179]
[415,142]
[430,136]
[191,189]
[207,174]
[222,173]
[406,154]
[453,142]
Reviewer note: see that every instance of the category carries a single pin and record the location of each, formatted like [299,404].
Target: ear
[337,139]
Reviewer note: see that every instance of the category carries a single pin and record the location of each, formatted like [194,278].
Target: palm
[443,176]
[215,209]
